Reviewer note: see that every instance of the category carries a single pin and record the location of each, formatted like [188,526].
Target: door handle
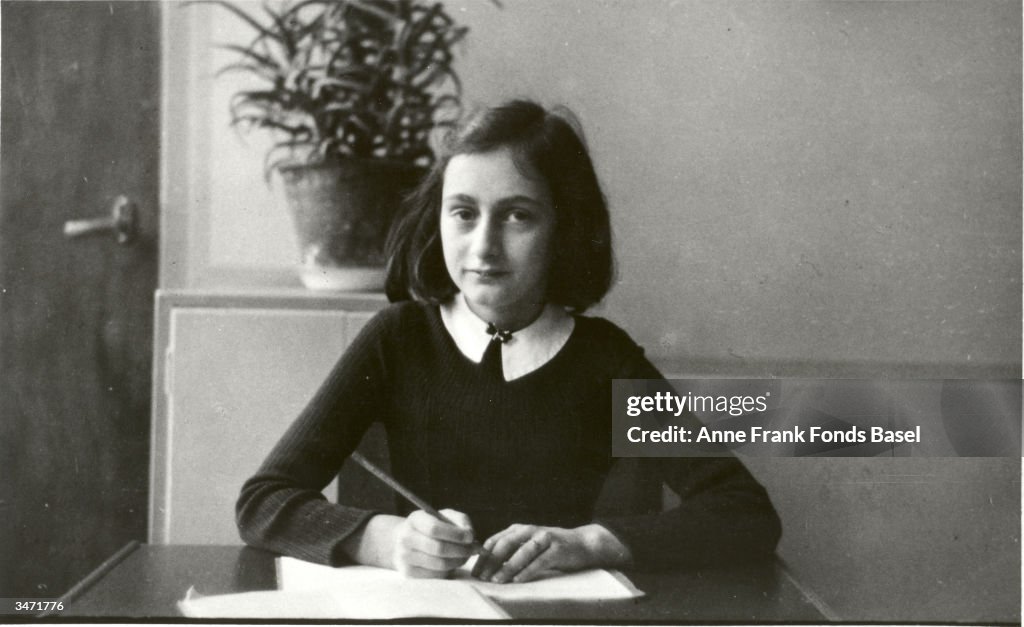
[123,221]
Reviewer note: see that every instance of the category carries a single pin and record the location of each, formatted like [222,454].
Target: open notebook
[587,585]
[307,590]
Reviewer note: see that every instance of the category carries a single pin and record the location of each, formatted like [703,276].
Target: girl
[494,390]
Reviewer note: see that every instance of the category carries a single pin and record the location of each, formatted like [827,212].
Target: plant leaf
[262,60]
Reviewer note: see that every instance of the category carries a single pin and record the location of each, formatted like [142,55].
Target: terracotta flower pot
[342,211]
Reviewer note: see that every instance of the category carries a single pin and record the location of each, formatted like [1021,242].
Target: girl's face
[497,228]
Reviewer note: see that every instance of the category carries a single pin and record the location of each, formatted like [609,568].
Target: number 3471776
[19,606]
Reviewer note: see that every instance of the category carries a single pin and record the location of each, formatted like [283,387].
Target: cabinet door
[234,380]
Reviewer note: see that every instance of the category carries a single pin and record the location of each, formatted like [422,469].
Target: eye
[519,215]
[461,213]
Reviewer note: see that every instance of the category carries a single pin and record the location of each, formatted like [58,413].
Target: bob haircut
[582,267]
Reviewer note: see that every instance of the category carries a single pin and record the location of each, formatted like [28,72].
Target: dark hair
[582,268]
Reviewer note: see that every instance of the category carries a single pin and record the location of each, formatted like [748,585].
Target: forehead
[493,175]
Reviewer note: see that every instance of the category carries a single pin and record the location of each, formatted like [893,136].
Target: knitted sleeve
[724,515]
[281,507]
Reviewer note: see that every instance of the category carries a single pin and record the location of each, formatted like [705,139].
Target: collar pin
[501,335]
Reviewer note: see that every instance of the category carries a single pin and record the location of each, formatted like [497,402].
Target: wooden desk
[148,580]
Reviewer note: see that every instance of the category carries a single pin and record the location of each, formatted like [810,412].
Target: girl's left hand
[523,553]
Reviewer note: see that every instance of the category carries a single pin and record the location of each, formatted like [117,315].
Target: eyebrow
[459,197]
[501,203]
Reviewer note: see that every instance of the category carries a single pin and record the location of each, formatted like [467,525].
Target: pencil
[410,496]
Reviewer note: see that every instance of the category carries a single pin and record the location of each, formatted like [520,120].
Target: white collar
[529,348]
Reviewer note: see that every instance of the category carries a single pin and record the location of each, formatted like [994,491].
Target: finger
[531,550]
[540,567]
[408,553]
[461,520]
[502,546]
[435,563]
[487,562]
[417,541]
[481,561]
[430,526]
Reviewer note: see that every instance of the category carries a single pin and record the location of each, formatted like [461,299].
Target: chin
[485,296]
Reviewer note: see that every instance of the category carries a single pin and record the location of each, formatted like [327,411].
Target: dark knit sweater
[533,450]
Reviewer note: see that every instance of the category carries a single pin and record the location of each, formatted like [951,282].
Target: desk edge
[98,573]
[818,603]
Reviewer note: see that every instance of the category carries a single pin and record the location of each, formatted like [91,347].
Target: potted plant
[353,91]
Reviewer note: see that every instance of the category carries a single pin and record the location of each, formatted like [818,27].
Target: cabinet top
[271,298]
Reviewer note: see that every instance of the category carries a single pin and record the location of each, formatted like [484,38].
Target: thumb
[461,520]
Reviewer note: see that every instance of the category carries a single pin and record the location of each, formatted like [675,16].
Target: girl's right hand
[425,547]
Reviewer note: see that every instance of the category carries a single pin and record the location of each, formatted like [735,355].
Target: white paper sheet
[589,585]
[357,601]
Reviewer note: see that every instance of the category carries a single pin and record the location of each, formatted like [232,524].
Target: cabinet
[232,372]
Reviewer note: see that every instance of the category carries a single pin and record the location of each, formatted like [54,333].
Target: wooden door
[80,126]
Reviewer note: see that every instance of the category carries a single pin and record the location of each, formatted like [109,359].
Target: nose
[486,243]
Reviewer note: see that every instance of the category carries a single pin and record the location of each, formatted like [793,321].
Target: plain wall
[797,188]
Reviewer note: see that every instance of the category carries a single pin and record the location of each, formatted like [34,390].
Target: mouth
[488,273]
